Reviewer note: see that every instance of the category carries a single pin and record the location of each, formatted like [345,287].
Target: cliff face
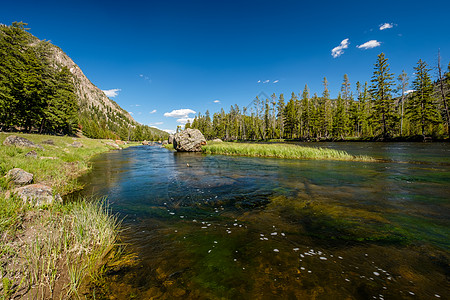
[88,94]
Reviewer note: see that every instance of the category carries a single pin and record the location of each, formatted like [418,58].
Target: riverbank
[280,151]
[50,251]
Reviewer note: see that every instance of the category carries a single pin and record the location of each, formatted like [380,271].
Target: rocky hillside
[43,90]
[88,94]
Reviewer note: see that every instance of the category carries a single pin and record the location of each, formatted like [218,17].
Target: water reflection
[208,227]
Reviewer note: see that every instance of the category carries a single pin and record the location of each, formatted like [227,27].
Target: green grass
[280,151]
[169,147]
[59,173]
[75,239]
[49,252]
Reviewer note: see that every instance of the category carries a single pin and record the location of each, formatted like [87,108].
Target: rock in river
[189,140]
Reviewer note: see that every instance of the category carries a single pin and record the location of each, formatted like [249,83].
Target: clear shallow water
[256,228]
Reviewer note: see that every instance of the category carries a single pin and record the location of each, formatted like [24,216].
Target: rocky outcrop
[36,194]
[145,143]
[119,142]
[88,94]
[19,176]
[18,141]
[189,140]
[170,139]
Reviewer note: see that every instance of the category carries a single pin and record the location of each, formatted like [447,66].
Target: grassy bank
[49,252]
[280,151]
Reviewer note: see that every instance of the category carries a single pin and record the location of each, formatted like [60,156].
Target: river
[222,227]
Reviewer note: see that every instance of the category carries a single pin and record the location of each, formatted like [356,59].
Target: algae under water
[259,228]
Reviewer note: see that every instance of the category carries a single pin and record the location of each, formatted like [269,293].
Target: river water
[257,228]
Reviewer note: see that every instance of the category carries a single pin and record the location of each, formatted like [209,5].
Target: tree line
[38,95]
[371,111]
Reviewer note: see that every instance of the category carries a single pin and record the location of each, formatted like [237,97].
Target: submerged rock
[189,140]
[36,194]
[18,141]
[19,176]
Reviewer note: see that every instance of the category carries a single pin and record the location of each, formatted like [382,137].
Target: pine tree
[380,90]
[403,84]
[422,109]
[305,113]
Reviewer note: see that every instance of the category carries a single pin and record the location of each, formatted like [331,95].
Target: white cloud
[156,123]
[259,81]
[171,131]
[409,91]
[369,45]
[183,121]
[111,93]
[131,113]
[276,81]
[266,81]
[386,26]
[339,50]
[179,113]
[216,101]
[153,111]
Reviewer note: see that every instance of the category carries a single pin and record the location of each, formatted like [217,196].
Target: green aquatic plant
[327,220]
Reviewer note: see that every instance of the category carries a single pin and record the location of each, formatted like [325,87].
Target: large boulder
[18,141]
[19,176]
[36,194]
[170,139]
[189,140]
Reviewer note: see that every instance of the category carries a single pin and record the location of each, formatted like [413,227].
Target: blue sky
[168,59]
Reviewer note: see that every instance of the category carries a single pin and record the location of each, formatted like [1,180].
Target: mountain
[42,89]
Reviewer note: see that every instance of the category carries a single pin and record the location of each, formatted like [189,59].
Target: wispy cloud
[153,111]
[136,105]
[386,26]
[146,78]
[259,81]
[339,50]
[409,91]
[131,113]
[157,123]
[266,81]
[111,93]
[369,45]
[276,81]
[179,113]
[216,101]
